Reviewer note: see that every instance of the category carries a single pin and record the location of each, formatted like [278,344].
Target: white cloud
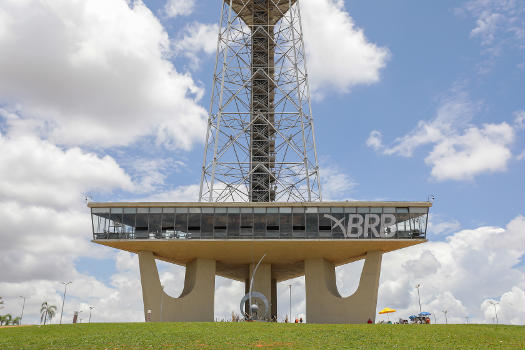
[96,73]
[335,184]
[339,55]
[476,151]
[195,40]
[175,8]
[439,227]
[497,22]
[519,119]
[510,308]
[375,140]
[456,275]
[35,172]
[460,150]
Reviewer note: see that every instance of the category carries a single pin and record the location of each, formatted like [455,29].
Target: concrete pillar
[262,282]
[196,302]
[273,300]
[324,304]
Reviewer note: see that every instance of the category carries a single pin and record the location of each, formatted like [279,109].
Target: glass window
[285,223]
[220,224]
[115,224]
[195,210]
[246,223]
[128,219]
[100,220]
[272,223]
[234,221]
[418,210]
[234,210]
[324,210]
[298,222]
[181,210]
[207,225]
[325,226]
[350,209]
[297,210]
[376,210]
[363,210]
[259,223]
[401,210]
[207,210]
[246,210]
[285,210]
[220,210]
[312,227]
[155,219]
[337,231]
[311,210]
[337,210]
[259,210]
[272,210]
[389,210]
[194,222]
[141,227]
[181,222]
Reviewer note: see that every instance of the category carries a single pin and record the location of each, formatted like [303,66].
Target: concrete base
[324,304]
[196,302]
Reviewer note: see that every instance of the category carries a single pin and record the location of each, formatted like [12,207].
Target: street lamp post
[63,299]
[446,320]
[23,306]
[90,308]
[495,310]
[418,296]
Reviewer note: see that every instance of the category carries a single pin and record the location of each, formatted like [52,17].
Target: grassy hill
[225,335]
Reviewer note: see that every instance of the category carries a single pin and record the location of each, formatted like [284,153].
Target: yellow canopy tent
[387,310]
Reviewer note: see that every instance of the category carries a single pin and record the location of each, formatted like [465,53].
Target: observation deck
[234,233]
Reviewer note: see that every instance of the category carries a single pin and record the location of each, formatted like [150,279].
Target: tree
[47,311]
[16,321]
[5,320]
[1,303]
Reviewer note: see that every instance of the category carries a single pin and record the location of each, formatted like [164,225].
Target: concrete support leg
[324,304]
[262,282]
[196,302]
[273,300]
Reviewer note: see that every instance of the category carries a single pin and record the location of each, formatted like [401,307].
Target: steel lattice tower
[260,144]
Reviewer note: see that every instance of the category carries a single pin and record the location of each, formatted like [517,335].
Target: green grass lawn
[225,335]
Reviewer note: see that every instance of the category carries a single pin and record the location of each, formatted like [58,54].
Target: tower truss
[260,143]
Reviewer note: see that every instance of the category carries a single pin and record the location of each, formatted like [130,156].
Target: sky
[108,99]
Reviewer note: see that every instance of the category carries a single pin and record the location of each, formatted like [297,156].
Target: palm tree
[47,311]
[16,321]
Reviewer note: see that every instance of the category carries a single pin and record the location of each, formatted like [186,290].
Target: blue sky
[409,100]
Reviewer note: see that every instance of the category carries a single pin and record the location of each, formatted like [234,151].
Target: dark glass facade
[259,223]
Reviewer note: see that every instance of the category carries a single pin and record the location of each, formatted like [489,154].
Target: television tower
[260,143]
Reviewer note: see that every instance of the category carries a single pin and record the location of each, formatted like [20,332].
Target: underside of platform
[285,256]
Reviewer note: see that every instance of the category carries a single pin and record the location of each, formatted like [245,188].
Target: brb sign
[367,226]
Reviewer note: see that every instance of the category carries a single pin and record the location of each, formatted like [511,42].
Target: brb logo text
[379,226]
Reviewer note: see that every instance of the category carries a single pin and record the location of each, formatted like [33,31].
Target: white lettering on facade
[366,226]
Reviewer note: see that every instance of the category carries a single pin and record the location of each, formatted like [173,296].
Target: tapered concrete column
[273,300]
[262,282]
[324,304]
[196,302]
